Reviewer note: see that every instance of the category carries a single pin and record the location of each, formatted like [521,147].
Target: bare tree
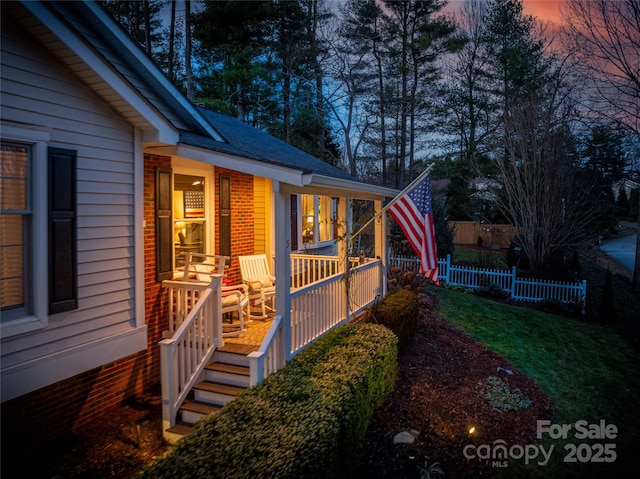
[470,109]
[351,84]
[605,37]
[544,192]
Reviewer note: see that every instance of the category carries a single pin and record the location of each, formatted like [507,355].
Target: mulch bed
[437,395]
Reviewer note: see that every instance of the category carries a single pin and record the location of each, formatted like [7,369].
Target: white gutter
[235,163]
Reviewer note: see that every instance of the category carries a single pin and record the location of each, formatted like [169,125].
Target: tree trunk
[172,41]
[147,27]
[636,268]
[382,111]
[187,50]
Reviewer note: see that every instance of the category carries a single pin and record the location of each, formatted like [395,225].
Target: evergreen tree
[141,20]
[605,153]
[514,55]
[233,39]
[467,107]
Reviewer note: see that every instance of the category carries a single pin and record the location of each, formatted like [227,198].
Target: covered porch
[324,292]
[255,195]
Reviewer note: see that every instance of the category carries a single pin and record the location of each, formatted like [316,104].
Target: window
[189,216]
[182,218]
[37,229]
[317,215]
[16,226]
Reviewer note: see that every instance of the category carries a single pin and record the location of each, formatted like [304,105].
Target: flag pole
[394,200]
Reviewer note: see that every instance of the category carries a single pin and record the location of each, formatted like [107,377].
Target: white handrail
[315,309]
[184,356]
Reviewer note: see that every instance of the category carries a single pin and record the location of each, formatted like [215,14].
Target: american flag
[412,211]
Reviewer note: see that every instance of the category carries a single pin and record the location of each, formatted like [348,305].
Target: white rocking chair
[199,267]
[254,270]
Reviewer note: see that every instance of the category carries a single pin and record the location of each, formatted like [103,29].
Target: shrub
[497,392]
[492,290]
[398,311]
[305,420]
[415,282]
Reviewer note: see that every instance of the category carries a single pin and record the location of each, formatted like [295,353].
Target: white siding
[37,91]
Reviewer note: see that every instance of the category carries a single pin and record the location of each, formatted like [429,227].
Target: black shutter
[164,228]
[63,281]
[294,222]
[225,215]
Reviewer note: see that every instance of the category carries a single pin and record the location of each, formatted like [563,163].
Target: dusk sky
[545,10]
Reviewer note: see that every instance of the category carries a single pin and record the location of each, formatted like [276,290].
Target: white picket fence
[523,289]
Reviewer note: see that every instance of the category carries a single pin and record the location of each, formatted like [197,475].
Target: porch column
[344,229]
[344,206]
[380,235]
[282,223]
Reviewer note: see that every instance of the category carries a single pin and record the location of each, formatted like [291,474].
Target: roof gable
[116,63]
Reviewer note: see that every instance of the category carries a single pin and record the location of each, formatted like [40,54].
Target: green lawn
[589,372]
[486,258]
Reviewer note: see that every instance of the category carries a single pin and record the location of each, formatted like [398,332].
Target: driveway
[622,250]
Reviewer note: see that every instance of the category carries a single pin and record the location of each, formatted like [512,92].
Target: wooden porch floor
[256,331]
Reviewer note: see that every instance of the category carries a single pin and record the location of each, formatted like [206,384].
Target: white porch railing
[315,309]
[307,268]
[196,324]
[524,289]
[270,356]
[321,306]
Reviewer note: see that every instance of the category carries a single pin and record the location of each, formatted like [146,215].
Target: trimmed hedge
[306,420]
[397,311]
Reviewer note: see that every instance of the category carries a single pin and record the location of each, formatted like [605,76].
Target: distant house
[625,185]
[109,174]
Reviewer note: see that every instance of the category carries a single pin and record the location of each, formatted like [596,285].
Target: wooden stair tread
[228,368]
[200,407]
[181,428]
[214,387]
[238,348]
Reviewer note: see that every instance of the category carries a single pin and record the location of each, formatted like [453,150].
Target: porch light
[472,430]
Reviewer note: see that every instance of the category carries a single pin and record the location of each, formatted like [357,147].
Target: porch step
[215,393]
[224,378]
[193,411]
[235,354]
[226,373]
[181,429]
